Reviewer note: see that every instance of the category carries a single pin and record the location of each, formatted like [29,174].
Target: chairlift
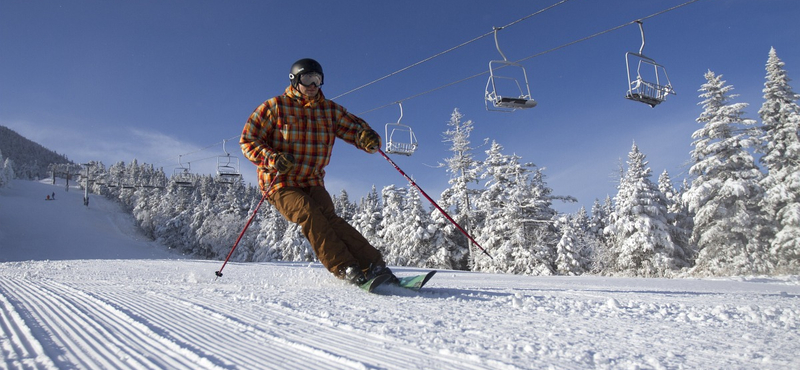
[520,99]
[650,91]
[227,167]
[181,175]
[400,139]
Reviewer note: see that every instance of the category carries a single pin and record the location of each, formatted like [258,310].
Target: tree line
[738,212]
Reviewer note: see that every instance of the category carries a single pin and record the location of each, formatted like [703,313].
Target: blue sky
[152,80]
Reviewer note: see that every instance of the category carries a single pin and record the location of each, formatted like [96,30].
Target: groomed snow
[82,289]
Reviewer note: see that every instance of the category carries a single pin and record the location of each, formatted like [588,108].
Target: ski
[373,283]
[415,282]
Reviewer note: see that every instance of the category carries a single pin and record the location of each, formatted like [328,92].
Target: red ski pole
[255,212]
[434,203]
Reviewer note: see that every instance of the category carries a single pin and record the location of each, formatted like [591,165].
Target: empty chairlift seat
[507,88]
[400,139]
[648,81]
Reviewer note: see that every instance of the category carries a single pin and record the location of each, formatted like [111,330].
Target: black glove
[369,140]
[282,162]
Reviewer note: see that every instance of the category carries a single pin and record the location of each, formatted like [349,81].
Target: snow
[81,288]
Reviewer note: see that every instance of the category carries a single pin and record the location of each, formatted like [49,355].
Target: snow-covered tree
[272,229]
[344,208]
[294,246]
[418,234]
[6,171]
[575,252]
[780,116]
[601,213]
[368,217]
[516,231]
[391,232]
[677,215]
[640,236]
[456,199]
[725,192]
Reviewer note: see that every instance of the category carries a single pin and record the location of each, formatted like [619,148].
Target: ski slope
[82,289]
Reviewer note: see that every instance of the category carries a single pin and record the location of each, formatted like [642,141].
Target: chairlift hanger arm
[641,30]
[401,111]
[497,43]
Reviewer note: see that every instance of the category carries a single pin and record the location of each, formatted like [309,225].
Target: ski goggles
[313,78]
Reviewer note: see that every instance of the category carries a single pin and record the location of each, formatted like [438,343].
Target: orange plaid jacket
[306,128]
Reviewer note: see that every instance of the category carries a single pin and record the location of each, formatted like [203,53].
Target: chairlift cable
[196,151]
[449,50]
[535,55]
[636,21]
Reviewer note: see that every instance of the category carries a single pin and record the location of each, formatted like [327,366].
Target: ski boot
[354,275]
[379,268]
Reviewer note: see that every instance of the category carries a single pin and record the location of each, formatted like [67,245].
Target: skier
[290,138]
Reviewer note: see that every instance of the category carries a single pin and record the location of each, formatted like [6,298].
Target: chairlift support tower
[652,90]
[501,101]
[400,139]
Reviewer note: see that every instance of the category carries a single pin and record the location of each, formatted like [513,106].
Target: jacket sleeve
[348,127]
[253,142]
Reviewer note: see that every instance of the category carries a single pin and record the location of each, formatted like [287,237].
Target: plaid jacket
[306,128]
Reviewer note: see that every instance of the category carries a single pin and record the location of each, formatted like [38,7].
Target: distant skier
[291,136]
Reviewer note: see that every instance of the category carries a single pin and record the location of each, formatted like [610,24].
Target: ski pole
[434,204]
[255,212]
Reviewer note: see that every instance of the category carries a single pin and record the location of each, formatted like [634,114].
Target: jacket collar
[302,99]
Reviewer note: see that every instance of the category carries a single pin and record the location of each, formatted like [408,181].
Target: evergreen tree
[6,171]
[456,199]
[294,246]
[677,216]
[391,230]
[368,217]
[601,212]
[641,239]
[780,116]
[515,207]
[343,207]
[589,240]
[417,245]
[172,223]
[272,226]
[725,193]
[576,250]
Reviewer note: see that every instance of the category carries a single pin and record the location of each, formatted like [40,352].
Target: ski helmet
[302,66]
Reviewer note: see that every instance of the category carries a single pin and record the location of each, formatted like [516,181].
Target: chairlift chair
[396,142]
[227,167]
[521,97]
[653,90]
[181,175]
